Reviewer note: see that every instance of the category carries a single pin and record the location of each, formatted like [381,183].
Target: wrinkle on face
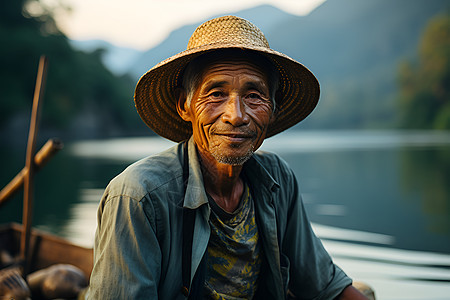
[231,111]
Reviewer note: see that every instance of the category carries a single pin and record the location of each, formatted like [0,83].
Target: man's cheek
[201,135]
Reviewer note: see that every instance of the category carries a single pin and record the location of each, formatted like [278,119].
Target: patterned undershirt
[234,253]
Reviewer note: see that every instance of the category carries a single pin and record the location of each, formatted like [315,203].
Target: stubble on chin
[231,159]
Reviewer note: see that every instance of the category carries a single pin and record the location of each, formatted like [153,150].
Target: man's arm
[351,293]
[126,253]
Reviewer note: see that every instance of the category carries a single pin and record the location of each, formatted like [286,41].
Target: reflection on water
[379,200]
[395,274]
[433,165]
[340,234]
[80,227]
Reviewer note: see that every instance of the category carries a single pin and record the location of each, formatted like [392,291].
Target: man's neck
[222,181]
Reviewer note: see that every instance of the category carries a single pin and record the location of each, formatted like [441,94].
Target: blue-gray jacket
[138,242]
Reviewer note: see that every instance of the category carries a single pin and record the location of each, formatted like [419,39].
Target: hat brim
[297,95]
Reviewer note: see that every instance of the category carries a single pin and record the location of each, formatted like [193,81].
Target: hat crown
[228,30]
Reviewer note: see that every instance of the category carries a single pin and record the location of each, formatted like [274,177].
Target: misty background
[382,64]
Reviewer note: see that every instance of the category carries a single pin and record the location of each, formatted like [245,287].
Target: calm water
[380,201]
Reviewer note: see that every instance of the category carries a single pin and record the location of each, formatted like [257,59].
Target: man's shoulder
[148,174]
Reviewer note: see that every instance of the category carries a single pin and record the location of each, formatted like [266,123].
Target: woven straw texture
[154,95]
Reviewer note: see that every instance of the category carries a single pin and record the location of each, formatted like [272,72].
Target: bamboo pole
[40,160]
[29,178]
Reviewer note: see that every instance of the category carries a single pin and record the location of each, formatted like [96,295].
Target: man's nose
[235,111]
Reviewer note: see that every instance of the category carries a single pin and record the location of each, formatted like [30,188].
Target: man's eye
[254,96]
[216,94]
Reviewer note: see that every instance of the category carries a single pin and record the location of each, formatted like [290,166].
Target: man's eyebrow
[209,85]
[256,85]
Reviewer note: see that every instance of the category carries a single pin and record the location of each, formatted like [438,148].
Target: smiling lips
[236,136]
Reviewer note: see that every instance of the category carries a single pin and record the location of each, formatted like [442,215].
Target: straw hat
[297,94]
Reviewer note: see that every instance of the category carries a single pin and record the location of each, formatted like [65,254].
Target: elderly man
[210,218]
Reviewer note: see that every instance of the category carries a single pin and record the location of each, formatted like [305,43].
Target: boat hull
[46,249]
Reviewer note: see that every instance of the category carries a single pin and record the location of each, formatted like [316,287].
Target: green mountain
[354,48]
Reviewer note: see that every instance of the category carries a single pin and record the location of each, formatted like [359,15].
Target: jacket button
[185,291]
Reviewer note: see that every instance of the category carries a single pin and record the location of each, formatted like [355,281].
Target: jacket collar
[258,176]
[195,195]
[253,171]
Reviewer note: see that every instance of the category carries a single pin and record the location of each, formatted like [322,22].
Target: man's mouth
[235,136]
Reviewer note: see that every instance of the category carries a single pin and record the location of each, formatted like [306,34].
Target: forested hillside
[424,83]
[82,97]
[355,48]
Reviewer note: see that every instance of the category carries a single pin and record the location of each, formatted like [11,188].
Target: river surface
[379,200]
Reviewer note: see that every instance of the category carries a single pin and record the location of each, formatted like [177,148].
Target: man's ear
[182,107]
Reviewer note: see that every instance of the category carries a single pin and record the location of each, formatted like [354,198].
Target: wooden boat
[33,263]
[46,249]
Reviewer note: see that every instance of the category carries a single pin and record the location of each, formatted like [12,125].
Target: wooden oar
[40,160]
[29,178]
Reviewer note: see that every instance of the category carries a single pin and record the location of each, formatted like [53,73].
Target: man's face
[230,111]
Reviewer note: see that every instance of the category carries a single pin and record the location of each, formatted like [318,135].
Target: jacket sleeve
[313,275]
[126,265]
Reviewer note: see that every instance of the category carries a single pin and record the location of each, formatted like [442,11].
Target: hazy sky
[144,23]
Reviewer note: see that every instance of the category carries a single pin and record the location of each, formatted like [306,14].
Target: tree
[76,83]
[425,86]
